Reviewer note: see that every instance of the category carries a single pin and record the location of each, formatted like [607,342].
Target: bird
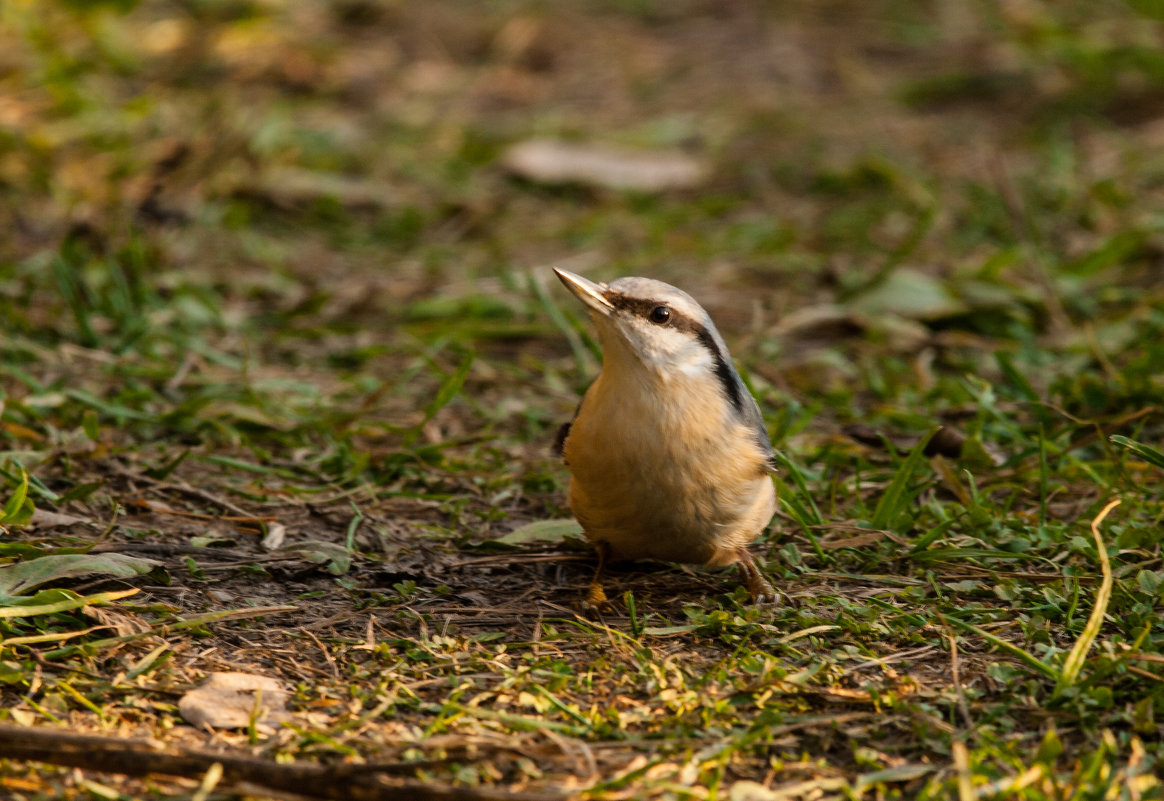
[668,454]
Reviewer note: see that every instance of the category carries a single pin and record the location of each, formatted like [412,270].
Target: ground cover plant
[282,359]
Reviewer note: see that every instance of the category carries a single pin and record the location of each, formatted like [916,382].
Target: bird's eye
[659,315]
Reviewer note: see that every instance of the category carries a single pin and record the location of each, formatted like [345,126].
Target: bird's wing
[770,463]
[737,392]
[559,446]
[747,408]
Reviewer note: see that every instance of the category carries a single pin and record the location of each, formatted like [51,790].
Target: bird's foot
[759,588]
[762,591]
[595,597]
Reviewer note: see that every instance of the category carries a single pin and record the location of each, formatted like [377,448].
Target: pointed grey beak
[590,293]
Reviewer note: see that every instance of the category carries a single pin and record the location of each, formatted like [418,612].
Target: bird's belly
[701,513]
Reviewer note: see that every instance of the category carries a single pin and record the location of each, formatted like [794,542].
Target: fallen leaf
[910,294]
[276,533]
[550,161]
[339,561]
[542,531]
[122,624]
[901,773]
[292,186]
[23,576]
[829,322]
[42,518]
[946,442]
[234,701]
[825,321]
[855,541]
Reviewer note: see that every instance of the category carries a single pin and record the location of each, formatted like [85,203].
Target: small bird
[668,455]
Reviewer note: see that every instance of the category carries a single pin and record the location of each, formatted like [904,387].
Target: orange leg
[758,586]
[595,595]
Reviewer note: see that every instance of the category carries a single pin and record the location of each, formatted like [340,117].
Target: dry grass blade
[169,628]
[1074,662]
[63,606]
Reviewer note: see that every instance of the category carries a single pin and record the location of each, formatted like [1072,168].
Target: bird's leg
[595,595]
[758,586]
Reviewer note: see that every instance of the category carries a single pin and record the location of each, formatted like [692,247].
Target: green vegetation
[281,360]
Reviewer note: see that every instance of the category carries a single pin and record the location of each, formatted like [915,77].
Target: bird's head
[649,324]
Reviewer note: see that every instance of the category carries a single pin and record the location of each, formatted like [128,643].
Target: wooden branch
[343,782]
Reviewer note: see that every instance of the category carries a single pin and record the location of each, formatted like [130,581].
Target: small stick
[963,707]
[343,782]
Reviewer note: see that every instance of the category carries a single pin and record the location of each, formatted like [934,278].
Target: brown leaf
[946,442]
[855,541]
[123,624]
[227,701]
[549,161]
[42,518]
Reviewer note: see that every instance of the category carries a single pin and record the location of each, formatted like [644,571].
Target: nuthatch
[668,454]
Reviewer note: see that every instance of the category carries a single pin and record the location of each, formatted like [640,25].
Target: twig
[955,673]
[328,657]
[1147,674]
[344,782]
[185,488]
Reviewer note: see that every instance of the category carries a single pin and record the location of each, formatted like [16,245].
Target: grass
[283,359]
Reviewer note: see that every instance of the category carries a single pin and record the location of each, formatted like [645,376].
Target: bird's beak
[590,293]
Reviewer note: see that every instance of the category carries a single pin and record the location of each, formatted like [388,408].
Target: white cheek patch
[672,352]
[693,360]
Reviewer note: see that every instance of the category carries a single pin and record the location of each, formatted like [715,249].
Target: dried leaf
[339,561]
[946,442]
[900,773]
[42,518]
[855,541]
[290,186]
[234,701]
[550,161]
[276,533]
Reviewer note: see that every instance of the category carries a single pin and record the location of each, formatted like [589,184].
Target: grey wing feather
[753,416]
[737,392]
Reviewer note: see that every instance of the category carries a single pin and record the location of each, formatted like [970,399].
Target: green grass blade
[15,503]
[898,495]
[1145,452]
[802,503]
[446,392]
[1028,659]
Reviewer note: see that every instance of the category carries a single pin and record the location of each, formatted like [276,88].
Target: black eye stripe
[644,307]
[724,370]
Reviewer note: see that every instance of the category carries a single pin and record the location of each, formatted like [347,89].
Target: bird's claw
[762,592]
[759,588]
[595,597]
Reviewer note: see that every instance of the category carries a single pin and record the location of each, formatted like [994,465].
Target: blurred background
[282,218]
